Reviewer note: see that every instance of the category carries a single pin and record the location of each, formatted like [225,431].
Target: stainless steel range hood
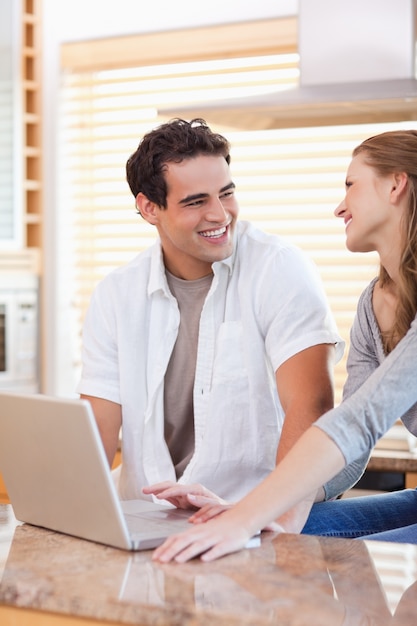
[357,63]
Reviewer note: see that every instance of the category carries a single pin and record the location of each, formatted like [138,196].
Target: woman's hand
[184,496]
[208,510]
[219,536]
[206,503]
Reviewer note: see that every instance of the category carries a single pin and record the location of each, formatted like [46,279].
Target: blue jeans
[383,517]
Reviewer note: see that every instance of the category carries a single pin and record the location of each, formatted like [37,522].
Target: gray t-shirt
[379,390]
[180,374]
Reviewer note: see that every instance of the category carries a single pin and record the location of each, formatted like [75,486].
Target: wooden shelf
[31,151]
[32,185]
[32,123]
[33,218]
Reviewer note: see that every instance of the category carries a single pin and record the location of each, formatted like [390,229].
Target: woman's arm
[365,355]
[386,395]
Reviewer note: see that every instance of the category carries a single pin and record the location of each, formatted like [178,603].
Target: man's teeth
[214,233]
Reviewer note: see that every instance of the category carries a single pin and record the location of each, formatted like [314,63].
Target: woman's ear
[399,185]
[147,209]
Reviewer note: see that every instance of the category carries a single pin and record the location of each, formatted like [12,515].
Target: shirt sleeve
[100,371]
[361,363]
[365,354]
[295,310]
[360,420]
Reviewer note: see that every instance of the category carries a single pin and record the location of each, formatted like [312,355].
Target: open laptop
[57,476]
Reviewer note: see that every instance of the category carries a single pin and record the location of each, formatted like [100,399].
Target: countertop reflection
[288,579]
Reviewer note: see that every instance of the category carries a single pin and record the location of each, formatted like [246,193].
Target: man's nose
[216,211]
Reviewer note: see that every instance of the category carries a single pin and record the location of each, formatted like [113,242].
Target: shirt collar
[157,277]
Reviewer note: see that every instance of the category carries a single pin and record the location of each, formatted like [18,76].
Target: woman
[380,213]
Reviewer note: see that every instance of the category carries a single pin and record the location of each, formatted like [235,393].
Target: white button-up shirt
[266,303]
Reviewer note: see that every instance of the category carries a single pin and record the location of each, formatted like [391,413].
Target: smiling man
[214,348]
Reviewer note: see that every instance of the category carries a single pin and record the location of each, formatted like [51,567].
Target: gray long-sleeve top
[379,390]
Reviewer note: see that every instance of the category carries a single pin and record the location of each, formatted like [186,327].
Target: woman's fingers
[207,510]
[211,540]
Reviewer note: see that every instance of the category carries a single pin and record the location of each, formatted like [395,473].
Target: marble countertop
[287,580]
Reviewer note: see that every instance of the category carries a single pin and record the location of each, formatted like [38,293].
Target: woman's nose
[340,209]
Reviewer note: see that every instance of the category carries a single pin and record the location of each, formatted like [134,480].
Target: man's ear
[399,185]
[147,209]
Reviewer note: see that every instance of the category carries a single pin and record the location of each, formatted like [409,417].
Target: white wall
[87,19]
[74,20]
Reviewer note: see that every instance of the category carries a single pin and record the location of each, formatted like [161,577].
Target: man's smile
[218,232]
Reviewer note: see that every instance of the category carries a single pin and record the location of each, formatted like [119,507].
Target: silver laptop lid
[55,468]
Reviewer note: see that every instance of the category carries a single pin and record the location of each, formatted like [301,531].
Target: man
[204,343]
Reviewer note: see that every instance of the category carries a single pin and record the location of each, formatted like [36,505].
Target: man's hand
[184,496]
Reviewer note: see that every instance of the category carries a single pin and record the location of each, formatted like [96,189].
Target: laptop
[57,476]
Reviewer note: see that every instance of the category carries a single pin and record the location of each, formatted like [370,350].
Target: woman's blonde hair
[388,153]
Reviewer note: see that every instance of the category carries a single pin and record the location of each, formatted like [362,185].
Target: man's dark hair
[172,142]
